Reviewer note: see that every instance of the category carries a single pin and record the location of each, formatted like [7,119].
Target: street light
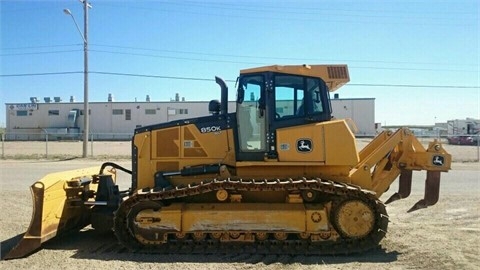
[84,36]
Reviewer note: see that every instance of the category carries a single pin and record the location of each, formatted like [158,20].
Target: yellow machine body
[278,170]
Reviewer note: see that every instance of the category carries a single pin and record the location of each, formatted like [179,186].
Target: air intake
[337,72]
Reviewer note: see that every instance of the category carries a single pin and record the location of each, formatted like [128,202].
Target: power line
[247,15]
[180,58]
[411,69]
[34,53]
[228,80]
[316,11]
[252,63]
[297,7]
[269,63]
[155,76]
[41,46]
[41,74]
[298,10]
[275,58]
[415,86]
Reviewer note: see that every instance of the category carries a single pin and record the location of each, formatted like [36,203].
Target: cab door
[251,118]
[298,104]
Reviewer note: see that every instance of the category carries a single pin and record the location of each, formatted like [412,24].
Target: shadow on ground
[90,245]
[9,244]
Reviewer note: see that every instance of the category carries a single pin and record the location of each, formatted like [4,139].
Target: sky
[419,59]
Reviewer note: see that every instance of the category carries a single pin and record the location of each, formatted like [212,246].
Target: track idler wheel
[354,219]
[142,235]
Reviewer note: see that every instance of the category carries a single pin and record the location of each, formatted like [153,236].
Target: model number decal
[210,129]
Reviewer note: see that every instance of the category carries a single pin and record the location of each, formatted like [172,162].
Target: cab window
[298,97]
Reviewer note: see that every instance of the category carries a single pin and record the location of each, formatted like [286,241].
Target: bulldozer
[278,175]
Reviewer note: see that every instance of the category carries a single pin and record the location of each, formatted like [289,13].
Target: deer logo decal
[438,160]
[304,145]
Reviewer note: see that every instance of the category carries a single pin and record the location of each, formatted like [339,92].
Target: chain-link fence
[465,149]
[118,146]
[53,146]
[63,135]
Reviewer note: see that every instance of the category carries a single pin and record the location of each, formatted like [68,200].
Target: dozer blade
[58,207]
[404,187]
[432,191]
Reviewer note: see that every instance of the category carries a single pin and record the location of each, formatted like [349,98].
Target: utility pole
[86,115]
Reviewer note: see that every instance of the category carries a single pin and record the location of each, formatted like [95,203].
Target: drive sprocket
[354,218]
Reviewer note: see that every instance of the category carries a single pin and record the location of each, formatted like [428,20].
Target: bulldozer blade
[432,191]
[58,207]
[404,187]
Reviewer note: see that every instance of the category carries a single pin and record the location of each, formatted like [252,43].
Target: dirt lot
[445,236]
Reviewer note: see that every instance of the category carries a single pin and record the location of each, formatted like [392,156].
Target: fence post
[3,145]
[91,144]
[478,148]
[46,144]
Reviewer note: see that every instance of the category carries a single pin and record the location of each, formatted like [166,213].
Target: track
[291,245]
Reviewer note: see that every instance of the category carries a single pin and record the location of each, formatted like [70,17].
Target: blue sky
[420,60]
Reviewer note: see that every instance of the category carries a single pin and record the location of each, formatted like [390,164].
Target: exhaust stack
[224,97]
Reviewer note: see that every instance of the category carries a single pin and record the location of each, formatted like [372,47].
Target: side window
[314,92]
[289,96]
[298,97]
[251,115]
[298,105]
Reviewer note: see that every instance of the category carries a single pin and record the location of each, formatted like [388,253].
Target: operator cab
[276,97]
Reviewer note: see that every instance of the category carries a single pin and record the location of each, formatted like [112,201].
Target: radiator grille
[337,72]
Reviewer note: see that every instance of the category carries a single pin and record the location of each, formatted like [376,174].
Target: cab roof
[334,76]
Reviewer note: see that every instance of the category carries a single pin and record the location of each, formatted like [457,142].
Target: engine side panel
[173,148]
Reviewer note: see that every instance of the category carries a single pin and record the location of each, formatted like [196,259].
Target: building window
[53,112]
[22,113]
[117,111]
[172,111]
[150,111]
[89,112]
[128,114]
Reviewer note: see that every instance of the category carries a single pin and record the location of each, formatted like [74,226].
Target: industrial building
[111,120]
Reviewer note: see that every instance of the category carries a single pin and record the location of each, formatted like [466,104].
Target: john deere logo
[304,145]
[438,160]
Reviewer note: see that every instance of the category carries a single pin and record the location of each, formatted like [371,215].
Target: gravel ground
[444,236]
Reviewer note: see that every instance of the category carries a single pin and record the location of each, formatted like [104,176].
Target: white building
[117,120]
[469,126]
[360,110]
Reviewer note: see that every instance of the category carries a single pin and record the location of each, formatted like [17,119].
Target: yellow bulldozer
[278,175]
